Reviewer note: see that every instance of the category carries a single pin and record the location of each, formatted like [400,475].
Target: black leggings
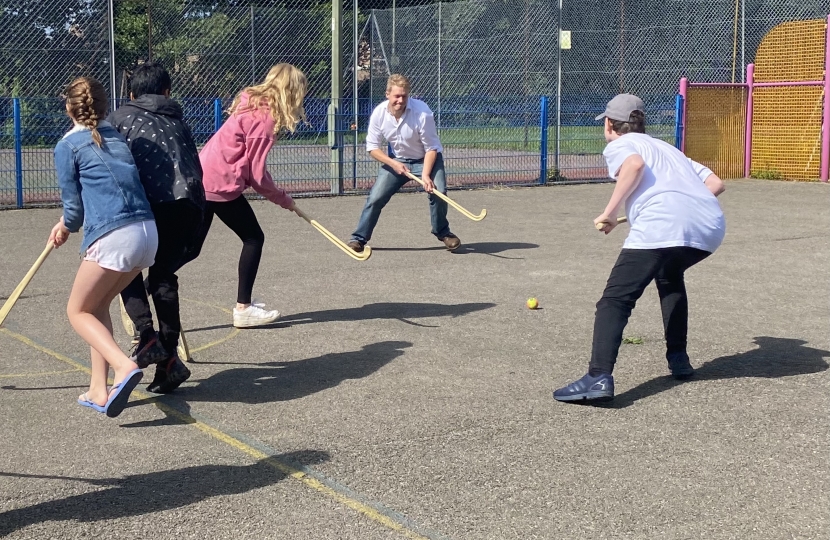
[240,218]
[634,270]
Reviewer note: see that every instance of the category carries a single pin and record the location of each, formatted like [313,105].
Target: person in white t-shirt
[676,222]
[408,126]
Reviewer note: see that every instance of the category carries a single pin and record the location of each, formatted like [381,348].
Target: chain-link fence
[512,106]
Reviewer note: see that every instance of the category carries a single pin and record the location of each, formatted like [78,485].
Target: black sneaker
[679,365]
[169,375]
[148,351]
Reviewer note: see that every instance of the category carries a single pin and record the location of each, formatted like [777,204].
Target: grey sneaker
[254,315]
[588,388]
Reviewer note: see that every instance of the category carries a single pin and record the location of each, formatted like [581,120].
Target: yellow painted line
[207,304]
[230,336]
[65,359]
[233,334]
[37,374]
[221,436]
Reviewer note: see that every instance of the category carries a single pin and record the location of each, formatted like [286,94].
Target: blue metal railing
[487,141]
[18,153]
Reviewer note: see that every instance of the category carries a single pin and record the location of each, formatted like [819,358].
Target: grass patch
[633,341]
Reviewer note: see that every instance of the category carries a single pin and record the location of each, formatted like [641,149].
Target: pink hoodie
[234,158]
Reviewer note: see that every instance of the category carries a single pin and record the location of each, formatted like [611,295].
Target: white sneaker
[254,315]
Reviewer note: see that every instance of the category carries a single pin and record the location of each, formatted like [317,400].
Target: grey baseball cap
[621,107]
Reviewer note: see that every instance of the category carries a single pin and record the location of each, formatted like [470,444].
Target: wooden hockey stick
[7,306]
[601,224]
[183,349]
[451,202]
[362,256]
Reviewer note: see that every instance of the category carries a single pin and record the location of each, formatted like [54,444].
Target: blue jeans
[388,183]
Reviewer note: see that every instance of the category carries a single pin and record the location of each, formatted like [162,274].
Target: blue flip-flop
[120,393]
[91,404]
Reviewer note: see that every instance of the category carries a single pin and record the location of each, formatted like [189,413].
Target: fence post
[678,122]
[750,104]
[335,111]
[217,114]
[18,152]
[825,137]
[543,144]
[680,115]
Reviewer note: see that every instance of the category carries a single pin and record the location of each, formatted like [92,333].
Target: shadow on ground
[482,248]
[401,311]
[142,494]
[774,358]
[284,381]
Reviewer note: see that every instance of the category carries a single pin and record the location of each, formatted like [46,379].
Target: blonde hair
[283,91]
[398,80]
[86,104]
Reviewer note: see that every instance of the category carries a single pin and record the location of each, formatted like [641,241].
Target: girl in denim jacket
[101,191]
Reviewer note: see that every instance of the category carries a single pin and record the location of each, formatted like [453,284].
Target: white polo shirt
[671,206]
[411,137]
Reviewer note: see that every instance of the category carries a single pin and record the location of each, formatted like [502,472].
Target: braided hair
[86,103]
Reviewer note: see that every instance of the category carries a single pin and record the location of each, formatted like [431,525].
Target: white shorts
[126,248]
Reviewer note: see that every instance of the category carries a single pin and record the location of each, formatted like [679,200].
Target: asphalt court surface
[409,396]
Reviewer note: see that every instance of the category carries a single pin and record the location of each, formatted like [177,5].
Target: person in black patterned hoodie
[169,168]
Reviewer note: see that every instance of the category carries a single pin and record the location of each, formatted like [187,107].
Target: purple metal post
[750,82]
[825,128]
[683,91]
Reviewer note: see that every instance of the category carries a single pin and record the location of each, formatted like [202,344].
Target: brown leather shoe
[451,241]
[356,246]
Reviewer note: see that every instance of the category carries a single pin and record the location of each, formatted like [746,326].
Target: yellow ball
[532,303]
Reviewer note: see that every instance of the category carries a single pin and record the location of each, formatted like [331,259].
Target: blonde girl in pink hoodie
[234,159]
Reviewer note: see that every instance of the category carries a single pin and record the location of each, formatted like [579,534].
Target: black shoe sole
[173,381]
[583,399]
[156,383]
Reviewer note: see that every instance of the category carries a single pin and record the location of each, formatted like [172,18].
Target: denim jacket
[100,188]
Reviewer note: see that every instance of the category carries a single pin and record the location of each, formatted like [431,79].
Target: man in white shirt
[676,222]
[408,126]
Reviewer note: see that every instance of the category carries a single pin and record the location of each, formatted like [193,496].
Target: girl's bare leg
[88,311]
[100,368]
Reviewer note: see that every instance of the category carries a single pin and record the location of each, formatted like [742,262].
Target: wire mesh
[216,49]
[44,45]
[481,65]
[792,52]
[786,132]
[787,120]
[716,128]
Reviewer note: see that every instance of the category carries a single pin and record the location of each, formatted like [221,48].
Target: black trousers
[633,271]
[178,225]
[240,218]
